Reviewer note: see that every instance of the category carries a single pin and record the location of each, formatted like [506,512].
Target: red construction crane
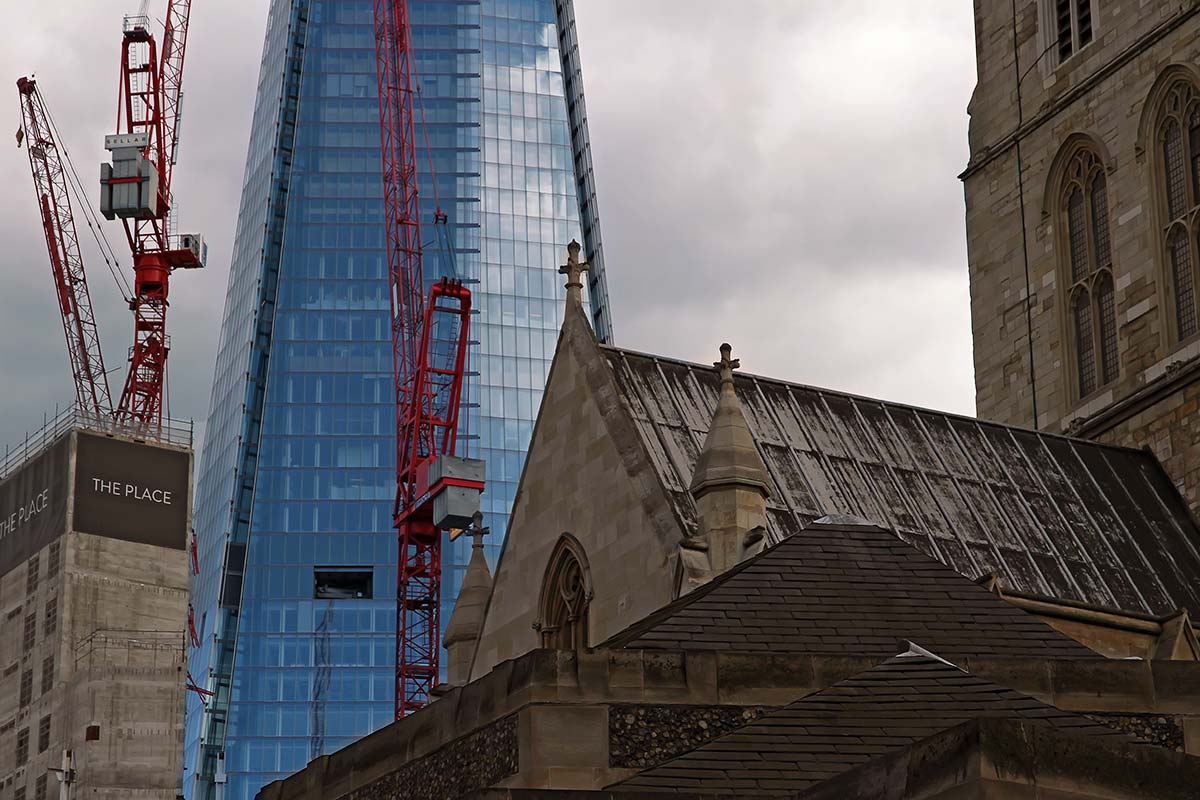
[51,183]
[136,188]
[434,490]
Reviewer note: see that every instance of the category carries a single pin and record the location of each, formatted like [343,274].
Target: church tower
[1083,223]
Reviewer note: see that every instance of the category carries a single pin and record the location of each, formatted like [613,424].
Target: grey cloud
[787,173]
[780,174]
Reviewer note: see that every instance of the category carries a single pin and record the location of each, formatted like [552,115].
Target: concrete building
[718,584]
[1082,193]
[93,611]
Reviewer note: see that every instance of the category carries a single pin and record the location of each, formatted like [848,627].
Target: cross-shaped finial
[574,269]
[727,365]
[477,530]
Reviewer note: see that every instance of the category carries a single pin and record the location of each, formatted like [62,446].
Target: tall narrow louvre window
[1073,26]
[1091,300]
[1179,179]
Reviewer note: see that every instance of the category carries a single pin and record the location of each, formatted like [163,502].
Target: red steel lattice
[50,182]
[429,345]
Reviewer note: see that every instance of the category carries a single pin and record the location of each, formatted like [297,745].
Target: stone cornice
[1152,393]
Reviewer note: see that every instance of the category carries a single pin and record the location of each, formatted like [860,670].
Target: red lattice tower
[429,347]
[148,114]
[51,185]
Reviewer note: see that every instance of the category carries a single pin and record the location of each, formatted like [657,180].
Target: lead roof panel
[1050,515]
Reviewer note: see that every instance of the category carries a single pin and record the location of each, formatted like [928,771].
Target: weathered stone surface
[468,764]
[1163,731]
[587,474]
[642,736]
[1099,96]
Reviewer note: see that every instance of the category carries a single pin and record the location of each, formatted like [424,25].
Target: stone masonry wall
[468,764]
[578,480]
[1171,429]
[645,736]
[1159,729]
[1099,93]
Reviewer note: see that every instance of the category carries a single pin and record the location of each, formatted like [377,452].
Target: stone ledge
[543,683]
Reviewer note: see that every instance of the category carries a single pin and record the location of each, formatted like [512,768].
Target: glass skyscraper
[294,601]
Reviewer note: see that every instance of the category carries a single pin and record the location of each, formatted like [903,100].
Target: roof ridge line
[625,351]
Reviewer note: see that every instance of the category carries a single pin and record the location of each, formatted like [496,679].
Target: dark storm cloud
[779,173]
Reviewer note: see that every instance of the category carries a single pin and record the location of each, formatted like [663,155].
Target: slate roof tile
[901,701]
[865,600]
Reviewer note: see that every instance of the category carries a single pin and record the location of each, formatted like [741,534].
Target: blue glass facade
[297,472]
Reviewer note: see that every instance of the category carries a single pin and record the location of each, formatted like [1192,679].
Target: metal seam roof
[1049,514]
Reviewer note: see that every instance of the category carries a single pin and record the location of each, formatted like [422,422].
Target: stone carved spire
[574,269]
[730,484]
[466,623]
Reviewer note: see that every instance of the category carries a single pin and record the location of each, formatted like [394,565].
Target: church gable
[587,481]
[1049,515]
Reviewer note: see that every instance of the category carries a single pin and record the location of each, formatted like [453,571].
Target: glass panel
[1077,231]
[1084,345]
[1100,238]
[1175,168]
[1106,300]
[1194,146]
[1184,284]
[314,673]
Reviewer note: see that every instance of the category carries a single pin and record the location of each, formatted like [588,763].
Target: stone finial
[466,622]
[574,269]
[727,365]
[730,484]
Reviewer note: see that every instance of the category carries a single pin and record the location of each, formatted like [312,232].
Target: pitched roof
[901,701]
[846,590]
[1048,514]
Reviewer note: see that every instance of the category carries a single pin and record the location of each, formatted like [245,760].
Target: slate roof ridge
[753,376]
[631,631]
[900,681]
[985,624]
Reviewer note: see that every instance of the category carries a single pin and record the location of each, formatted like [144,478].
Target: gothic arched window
[1090,296]
[1178,143]
[565,597]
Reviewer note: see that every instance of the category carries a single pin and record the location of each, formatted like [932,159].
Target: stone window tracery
[565,598]
[1178,147]
[1090,296]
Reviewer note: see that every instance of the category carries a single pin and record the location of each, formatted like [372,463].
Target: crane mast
[434,489]
[136,188]
[51,185]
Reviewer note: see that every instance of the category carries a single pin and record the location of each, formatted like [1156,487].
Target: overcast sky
[775,173]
